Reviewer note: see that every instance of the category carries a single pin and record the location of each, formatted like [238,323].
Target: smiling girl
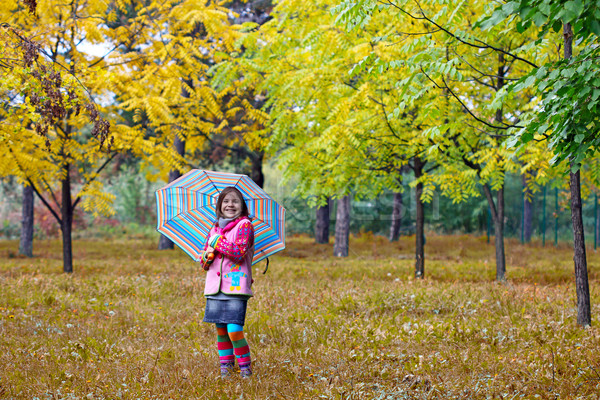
[229,279]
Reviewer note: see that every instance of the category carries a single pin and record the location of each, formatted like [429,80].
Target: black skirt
[230,311]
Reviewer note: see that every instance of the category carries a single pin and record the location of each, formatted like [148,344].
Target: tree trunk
[584,314]
[527,212]
[396,217]
[584,317]
[342,227]
[257,171]
[67,221]
[596,220]
[420,223]
[322,224]
[497,211]
[499,239]
[26,242]
[164,243]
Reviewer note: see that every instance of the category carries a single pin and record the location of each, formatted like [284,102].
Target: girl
[229,279]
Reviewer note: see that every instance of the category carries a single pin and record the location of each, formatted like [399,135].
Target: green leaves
[584,15]
[539,19]
[366,64]
[354,14]
[569,109]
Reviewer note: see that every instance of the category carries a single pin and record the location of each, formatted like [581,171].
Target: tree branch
[483,45]
[93,178]
[49,189]
[48,206]
[507,126]
[34,187]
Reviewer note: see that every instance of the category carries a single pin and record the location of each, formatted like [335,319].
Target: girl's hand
[210,249]
[207,259]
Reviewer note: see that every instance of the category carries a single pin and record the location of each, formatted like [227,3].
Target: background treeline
[135,212]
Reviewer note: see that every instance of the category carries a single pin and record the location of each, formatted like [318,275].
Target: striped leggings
[232,344]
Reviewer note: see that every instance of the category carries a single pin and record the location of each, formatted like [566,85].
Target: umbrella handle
[210,257]
[267,267]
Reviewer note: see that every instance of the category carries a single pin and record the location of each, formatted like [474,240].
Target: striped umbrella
[186,211]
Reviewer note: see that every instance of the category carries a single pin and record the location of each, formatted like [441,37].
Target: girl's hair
[225,192]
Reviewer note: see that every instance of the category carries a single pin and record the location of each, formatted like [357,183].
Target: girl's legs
[225,350]
[240,348]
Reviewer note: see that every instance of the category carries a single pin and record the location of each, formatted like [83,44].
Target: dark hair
[225,192]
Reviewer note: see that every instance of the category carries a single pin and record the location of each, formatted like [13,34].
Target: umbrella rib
[192,209]
[211,181]
[235,185]
[260,198]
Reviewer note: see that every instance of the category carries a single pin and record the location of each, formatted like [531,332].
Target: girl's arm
[207,245]
[238,249]
[207,249]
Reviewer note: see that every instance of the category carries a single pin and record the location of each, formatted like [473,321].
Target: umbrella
[186,211]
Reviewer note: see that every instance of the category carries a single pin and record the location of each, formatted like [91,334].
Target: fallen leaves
[356,330]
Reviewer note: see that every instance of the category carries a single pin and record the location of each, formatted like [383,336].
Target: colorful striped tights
[232,344]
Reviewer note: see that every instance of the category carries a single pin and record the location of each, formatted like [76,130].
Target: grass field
[128,324]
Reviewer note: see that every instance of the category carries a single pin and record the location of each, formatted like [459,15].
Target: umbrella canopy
[186,211]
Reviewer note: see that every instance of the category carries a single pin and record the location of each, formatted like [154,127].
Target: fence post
[596,220]
[544,219]
[489,221]
[523,216]
[555,217]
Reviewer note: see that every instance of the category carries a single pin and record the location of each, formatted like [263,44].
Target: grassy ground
[128,324]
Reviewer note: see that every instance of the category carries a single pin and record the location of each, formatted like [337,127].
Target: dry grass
[128,324]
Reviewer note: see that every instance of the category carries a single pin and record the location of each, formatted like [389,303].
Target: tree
[169,90]
[48,83]
[568,112]
[49,98]
[396,222]
[322,223]
[26,242]
[332,131]
[437,50]
[342,227]
[209,120]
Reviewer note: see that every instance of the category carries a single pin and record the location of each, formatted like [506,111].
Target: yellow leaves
[122,5]
[112,16]
[95,200]
[208,96]
[457,184]
[157,109]
[360,51]
[172,88]
[187,15]
[93,33]
[214,20]
[258,140]
[233,111]
[221,126]
[254,114]
[132,139]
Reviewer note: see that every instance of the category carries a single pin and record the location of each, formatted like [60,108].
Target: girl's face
[231,206]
